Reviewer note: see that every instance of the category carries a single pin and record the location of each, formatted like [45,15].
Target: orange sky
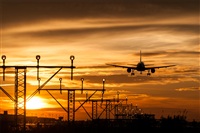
[97,32]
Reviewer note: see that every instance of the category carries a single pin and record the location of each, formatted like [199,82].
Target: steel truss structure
[20,88]
[104,106]
[20,96]
[71,99]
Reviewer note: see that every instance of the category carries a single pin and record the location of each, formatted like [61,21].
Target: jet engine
[153,70]
[128,70]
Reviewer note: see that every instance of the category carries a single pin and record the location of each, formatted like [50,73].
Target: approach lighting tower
[20,88]
[71,98]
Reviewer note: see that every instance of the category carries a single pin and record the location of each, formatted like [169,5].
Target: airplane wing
[157,67]
[132,67]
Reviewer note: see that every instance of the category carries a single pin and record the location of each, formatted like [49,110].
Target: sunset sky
[97,32]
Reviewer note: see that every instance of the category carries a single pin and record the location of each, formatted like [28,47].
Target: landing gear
[132,72]
[148,74]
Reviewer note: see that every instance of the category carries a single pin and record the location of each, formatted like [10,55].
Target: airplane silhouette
[140,67]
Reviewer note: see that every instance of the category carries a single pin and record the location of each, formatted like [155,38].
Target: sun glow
[35,103]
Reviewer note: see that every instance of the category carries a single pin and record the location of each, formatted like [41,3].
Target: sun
[35,103]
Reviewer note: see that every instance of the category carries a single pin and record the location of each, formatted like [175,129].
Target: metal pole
[82,79]
[72,61]
[38,58]
[3,58]
[16,98]
[60,79]
[24,126]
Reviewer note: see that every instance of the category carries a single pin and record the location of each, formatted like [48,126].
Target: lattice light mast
[20,88]
[71,98]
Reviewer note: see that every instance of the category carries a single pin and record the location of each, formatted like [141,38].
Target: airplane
[141,67]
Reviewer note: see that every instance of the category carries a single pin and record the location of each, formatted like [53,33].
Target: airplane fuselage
[140,66]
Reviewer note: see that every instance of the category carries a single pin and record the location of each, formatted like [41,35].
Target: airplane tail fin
[140,56]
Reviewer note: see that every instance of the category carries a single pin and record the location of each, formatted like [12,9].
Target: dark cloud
[172,90]
[93,67]
[124,78]
[187,71]
[157,86]
[15,12]
[171,54]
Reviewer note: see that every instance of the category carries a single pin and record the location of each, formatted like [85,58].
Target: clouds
[188,89]
[104,37]
[109,29]
[171,53]
[16,12]
[99,25]
[102,31]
